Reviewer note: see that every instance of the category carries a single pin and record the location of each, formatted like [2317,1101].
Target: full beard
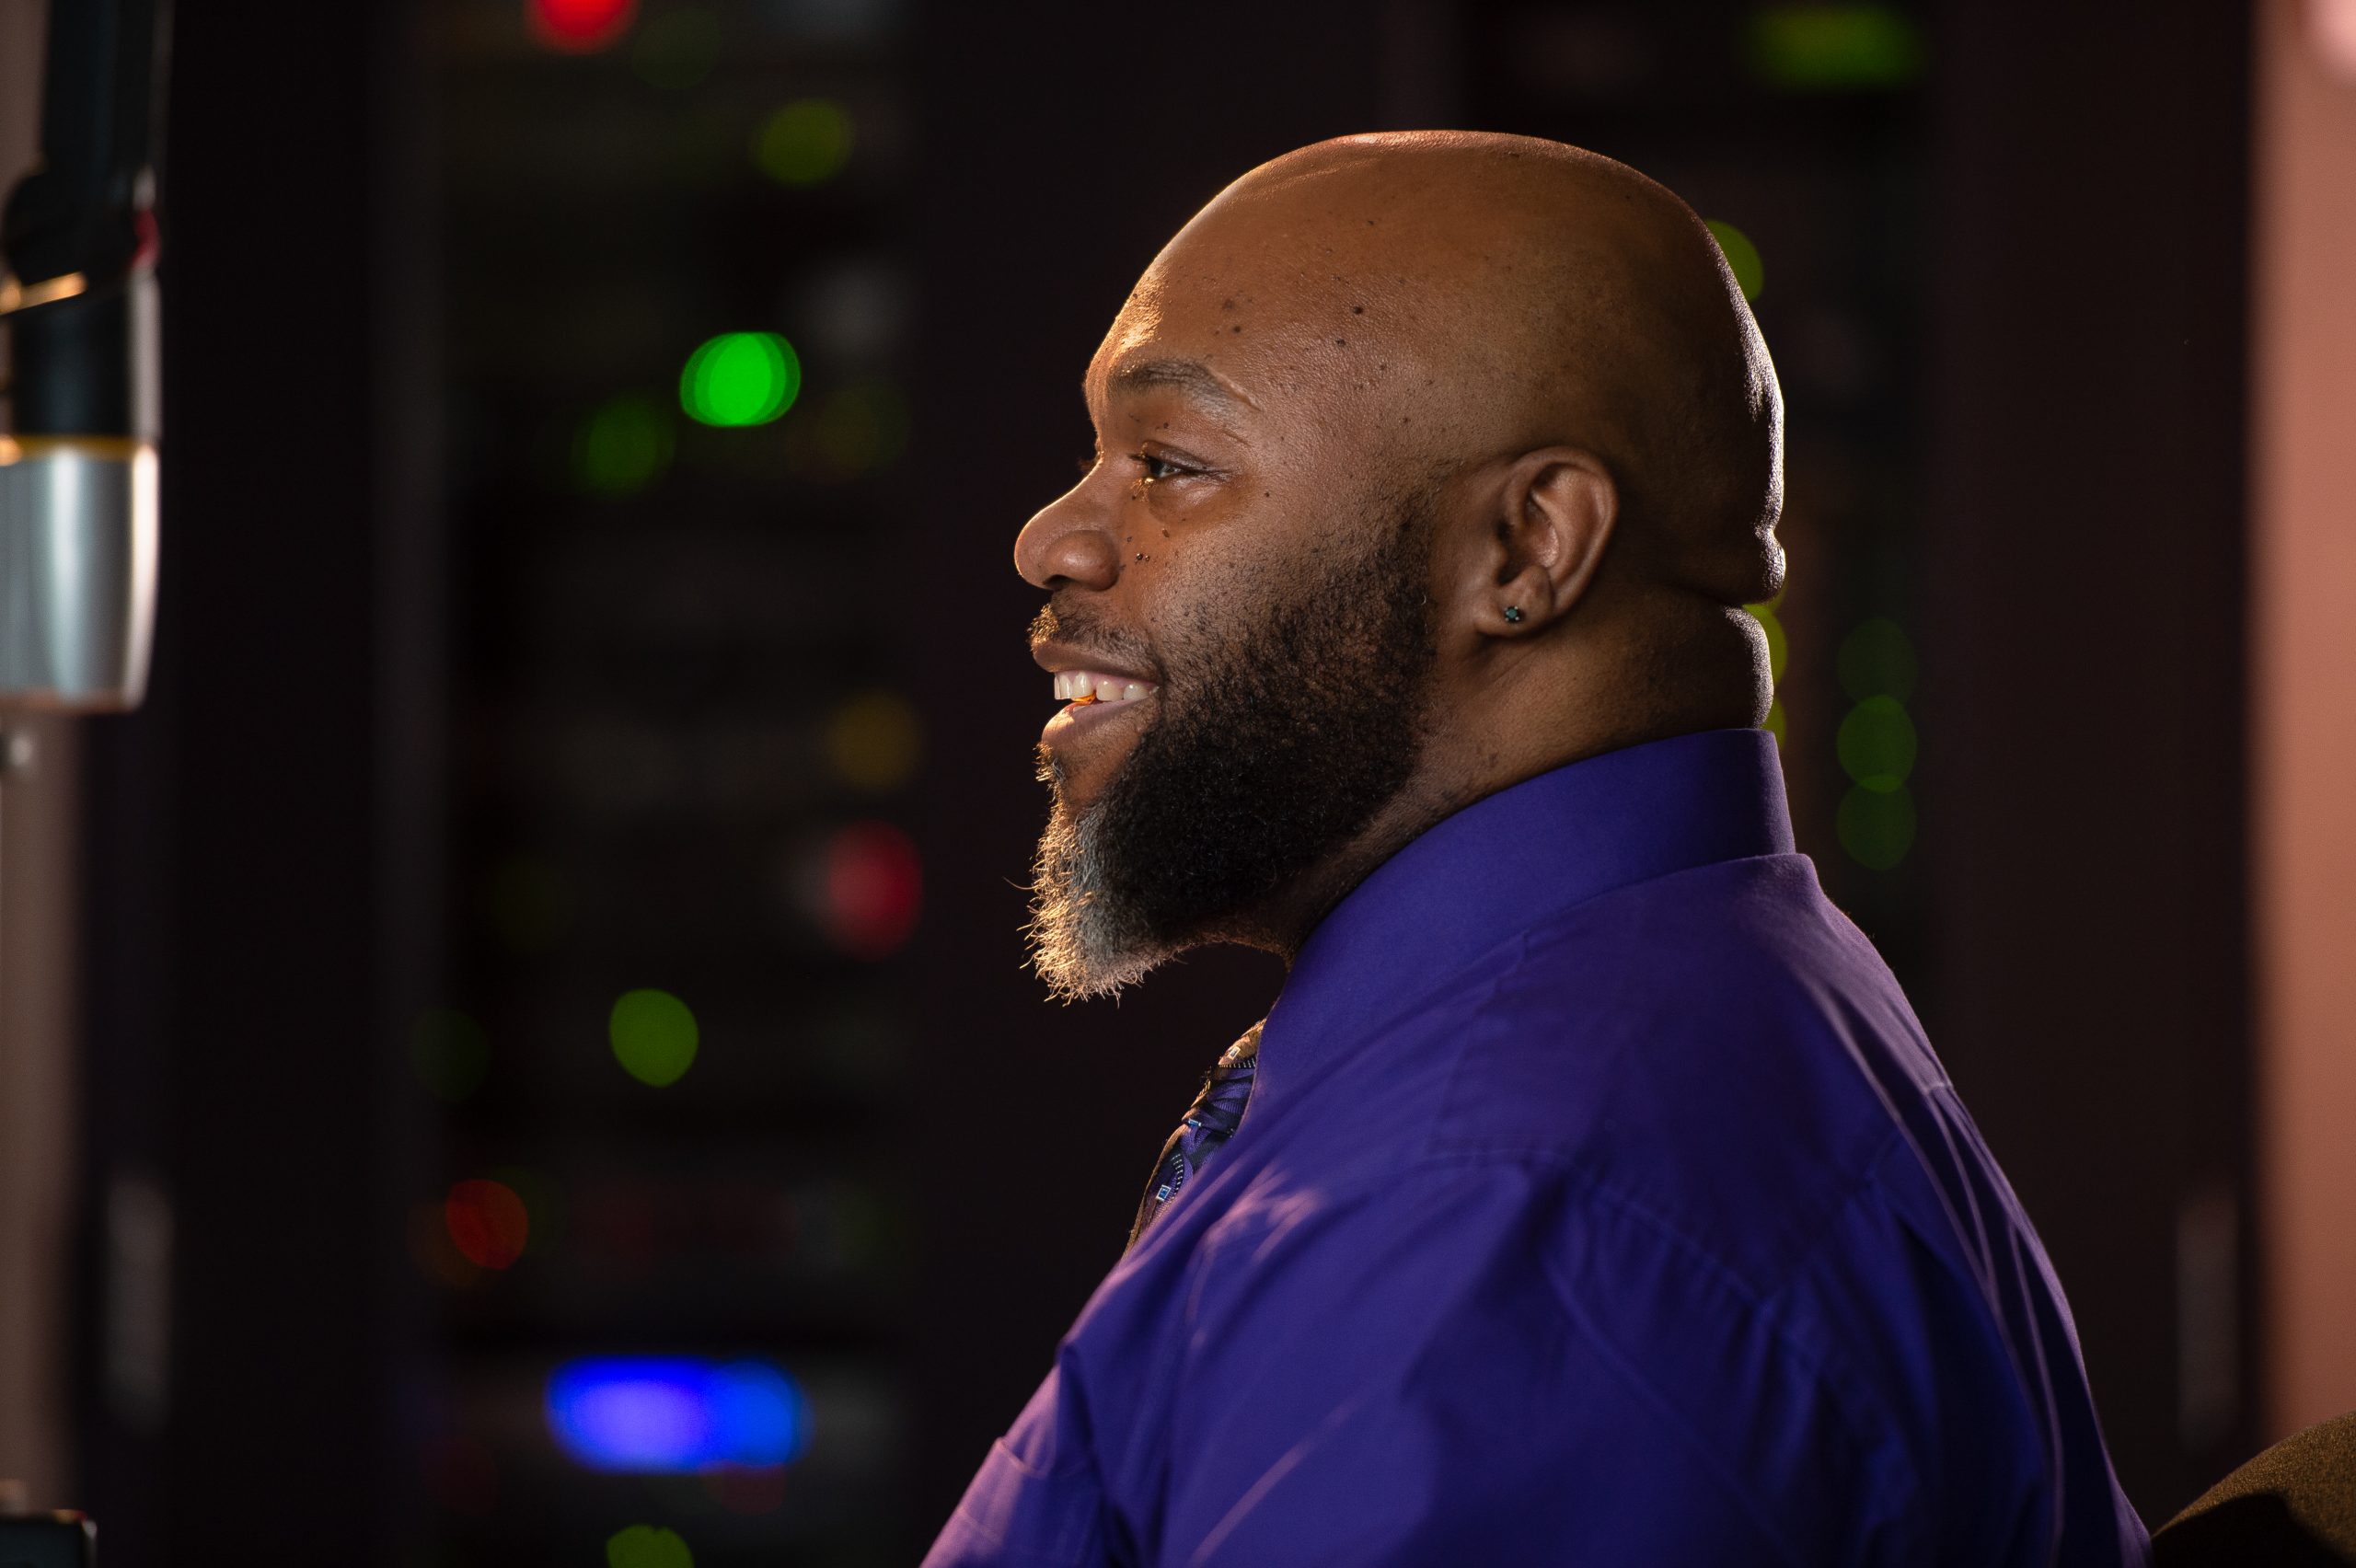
[1278,741]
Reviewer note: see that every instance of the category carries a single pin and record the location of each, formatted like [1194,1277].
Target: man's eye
[1156,468]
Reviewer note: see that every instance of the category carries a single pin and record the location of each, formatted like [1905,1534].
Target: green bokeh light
[739,378]
[654,1036]
[1876,660]
[1776,721]
[622,447]
[1877,745]
[1875,826]
[645,1546]
[450,1053]
[805,143]
[1834,46]
[1742,257]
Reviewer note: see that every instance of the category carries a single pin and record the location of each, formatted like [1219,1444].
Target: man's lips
[1092,689]
[1074,719]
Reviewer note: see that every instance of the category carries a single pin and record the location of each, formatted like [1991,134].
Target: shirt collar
[1503,864]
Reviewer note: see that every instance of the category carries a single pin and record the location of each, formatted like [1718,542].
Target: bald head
[1473,295]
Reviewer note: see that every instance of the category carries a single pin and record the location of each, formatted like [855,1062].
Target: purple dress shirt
[1600,1201]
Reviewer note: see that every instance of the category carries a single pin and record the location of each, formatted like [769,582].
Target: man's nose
[1064,544]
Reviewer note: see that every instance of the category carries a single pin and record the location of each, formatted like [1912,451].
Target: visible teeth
[1087,687]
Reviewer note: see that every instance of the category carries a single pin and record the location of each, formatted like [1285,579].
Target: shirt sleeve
[1501,1367]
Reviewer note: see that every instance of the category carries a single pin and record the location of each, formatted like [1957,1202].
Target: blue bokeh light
[665,1414]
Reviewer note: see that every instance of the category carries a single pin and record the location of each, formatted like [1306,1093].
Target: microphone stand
[78,241]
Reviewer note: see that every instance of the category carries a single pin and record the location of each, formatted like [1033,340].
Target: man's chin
[1081,775]
[1076,788]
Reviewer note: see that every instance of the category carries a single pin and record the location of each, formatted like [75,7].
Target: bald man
[1591,1195]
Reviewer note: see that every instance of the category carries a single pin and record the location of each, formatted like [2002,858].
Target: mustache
[1062,620]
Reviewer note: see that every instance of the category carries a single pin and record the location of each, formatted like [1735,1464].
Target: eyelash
[1146,460]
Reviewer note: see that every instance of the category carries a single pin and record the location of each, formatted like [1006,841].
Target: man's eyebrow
[1191,377]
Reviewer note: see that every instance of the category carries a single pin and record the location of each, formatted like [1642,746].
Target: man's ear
[1552,518]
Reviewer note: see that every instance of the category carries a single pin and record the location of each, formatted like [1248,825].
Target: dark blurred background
[522,1045]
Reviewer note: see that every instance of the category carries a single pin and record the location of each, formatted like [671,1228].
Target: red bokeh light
[873,887]
[488,1223]
[581,26]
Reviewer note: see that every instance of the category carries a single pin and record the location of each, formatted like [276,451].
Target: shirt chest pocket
[1017,1515]
[1037,1501]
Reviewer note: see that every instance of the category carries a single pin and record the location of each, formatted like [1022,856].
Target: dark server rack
[669,1238]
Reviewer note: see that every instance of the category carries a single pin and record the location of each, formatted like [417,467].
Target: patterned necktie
[1210,1122]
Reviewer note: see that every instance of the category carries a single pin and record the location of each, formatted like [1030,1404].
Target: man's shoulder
[1715,1049]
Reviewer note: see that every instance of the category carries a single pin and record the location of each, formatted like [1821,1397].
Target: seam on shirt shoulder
[1847,1391]
[1429,1146]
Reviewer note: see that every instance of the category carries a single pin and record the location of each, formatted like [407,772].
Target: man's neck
[1283,923]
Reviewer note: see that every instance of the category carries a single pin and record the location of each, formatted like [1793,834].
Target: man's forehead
[1163,342]
[1195,325]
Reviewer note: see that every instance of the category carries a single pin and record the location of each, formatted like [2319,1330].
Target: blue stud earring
[1513,615]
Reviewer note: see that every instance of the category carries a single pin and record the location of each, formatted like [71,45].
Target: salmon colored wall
[2303,708]
[38,858]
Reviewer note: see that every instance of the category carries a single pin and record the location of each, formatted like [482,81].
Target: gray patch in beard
[1084,943]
